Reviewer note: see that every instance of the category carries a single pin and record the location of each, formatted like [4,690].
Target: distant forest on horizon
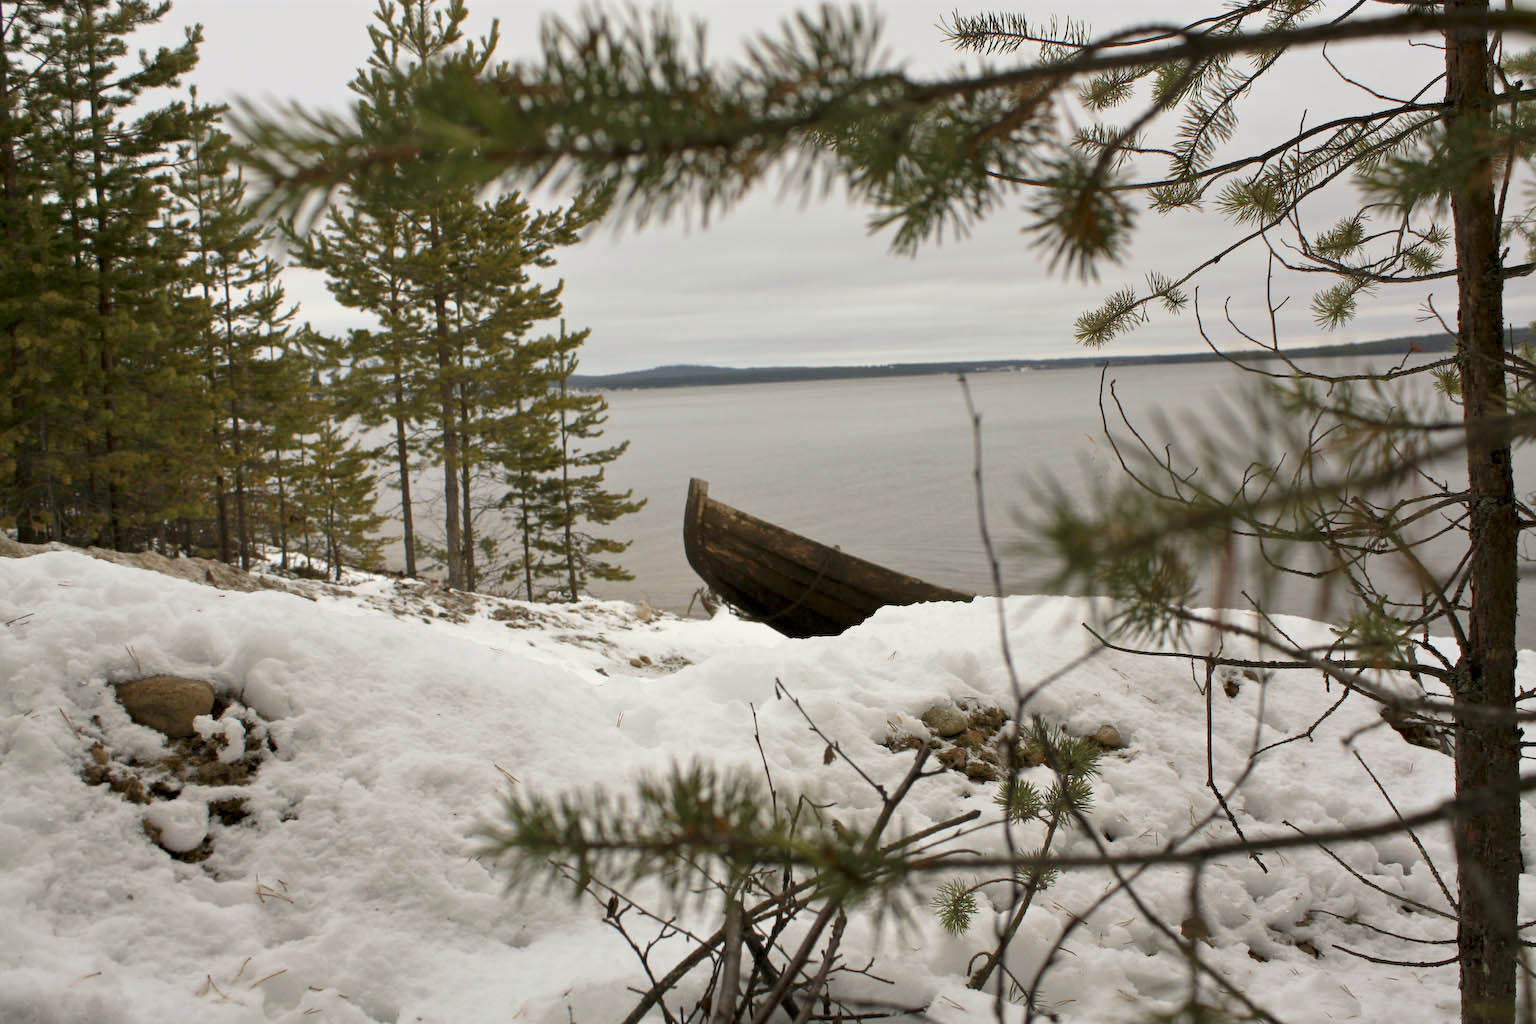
[679,375]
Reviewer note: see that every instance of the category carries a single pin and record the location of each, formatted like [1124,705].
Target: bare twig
[1429,861]
[780,688]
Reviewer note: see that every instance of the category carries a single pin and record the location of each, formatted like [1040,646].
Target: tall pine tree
[110,163]
[242,314]
[389,253]
[577,499]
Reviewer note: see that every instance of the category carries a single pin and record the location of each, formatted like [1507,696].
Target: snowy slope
[350,892]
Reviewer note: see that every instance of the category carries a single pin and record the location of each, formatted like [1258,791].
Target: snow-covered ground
[385,722]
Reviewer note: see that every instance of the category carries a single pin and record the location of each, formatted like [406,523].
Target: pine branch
[633,105]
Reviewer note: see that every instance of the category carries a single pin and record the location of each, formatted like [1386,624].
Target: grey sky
[778,281]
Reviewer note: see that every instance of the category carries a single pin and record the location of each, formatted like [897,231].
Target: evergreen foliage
[575,497]
[336,495]
[154,393]
[448,277]
[243,333]
[1074,761]
[101,384]
[704,834]
[157,391]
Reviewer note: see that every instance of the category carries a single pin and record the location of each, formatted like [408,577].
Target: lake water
[883,467]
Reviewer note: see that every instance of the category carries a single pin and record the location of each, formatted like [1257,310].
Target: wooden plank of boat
[798,586]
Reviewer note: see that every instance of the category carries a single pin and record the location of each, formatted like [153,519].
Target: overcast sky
[781,281]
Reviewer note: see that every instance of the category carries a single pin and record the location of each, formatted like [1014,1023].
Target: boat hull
[798,586]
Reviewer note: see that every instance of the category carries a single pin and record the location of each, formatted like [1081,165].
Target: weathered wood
[798,586]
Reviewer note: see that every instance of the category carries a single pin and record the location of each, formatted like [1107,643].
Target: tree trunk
[450,474]
[236,449]
[26,515]
[524,512]
[403,457]
[470,580]
[282,510]
[50,497]
[468,538]
[242,533]
[332,545]
[1487,835]
[112,534]
[221,499]
[8,175]
[242,523]
[445,368]
[567,504]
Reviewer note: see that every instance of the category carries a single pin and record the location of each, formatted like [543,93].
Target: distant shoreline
[695,376]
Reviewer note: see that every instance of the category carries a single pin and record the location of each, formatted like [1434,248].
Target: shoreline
[704,375]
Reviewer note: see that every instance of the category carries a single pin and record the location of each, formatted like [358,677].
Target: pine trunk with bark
[26,516]
[112,534]
[282,509]
[221,502]
[524,508]
[445,369]
[241,544]
[1487,835]
[567,504]
[403,459]
[468,538]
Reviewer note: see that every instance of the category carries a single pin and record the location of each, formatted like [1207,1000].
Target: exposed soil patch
[227,749]
[978,742]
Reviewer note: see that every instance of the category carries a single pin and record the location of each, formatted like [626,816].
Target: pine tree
[359,250]
[339,496]
[503,382]
[103,303]
[425,39]
[139,317]
[527,454]
[30,401]
[272,378]
[290,363]
[321,504]
[578,497]
[243,324]
[364,248]
[937,155]
[393,254]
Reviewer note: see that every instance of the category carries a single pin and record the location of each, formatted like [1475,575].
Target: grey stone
[1108,737]
[944,721]
[166,703]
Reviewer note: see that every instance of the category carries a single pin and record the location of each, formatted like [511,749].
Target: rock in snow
[1108,737]
[945,722]
[169,704]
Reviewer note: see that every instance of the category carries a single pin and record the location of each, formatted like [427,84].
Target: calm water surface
[883,467]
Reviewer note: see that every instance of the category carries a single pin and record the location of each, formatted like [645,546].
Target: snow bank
[349,891]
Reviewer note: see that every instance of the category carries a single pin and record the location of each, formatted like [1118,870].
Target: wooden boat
[798,586]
